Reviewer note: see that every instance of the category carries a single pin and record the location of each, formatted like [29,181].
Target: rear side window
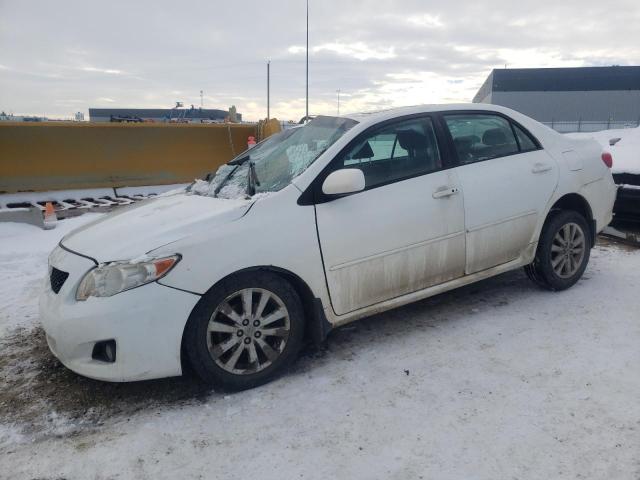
[479,137]
[526,142]
[397,151]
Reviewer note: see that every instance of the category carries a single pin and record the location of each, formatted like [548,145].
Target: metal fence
[590,126]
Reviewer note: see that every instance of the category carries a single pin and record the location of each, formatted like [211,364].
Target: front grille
[57,277]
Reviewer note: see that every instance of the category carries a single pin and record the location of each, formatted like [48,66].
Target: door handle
[541,167]
[445,191]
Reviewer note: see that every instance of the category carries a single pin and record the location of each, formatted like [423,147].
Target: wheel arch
[577,203]
[317,326]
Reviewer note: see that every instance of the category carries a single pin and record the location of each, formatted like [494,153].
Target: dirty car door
[507,180]
[405,231]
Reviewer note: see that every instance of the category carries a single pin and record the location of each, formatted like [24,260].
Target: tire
[557,265]
[233,349]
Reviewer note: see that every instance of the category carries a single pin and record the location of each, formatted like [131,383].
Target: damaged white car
[316,227]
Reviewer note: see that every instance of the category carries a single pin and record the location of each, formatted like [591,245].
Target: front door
[507,180]
[405,231]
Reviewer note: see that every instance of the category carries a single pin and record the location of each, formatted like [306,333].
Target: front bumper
[146,322]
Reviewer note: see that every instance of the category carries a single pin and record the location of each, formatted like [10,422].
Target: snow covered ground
[24,250]
[498,380]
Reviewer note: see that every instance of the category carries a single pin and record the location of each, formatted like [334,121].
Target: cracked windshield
[273,163]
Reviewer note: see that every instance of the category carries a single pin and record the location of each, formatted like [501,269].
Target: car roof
[387,114]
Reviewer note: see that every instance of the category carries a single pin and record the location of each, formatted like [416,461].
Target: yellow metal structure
[266,128]
[65,155]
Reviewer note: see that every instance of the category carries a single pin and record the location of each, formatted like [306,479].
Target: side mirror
[341,182]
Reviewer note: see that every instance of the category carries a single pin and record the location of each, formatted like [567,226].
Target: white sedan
[316,227]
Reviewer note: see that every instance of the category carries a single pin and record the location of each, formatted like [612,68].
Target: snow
[24,250]
[233,190]
[202,187]
[625,153]
[492,381]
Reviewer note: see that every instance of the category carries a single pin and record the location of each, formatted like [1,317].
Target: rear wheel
[245,331]
[563,251]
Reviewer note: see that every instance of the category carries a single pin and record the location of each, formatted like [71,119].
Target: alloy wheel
[567,250]
[248,331]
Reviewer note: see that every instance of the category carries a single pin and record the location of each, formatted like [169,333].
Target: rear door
[405,231]
[507,180]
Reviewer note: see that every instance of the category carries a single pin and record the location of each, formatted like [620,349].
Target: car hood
[135,230]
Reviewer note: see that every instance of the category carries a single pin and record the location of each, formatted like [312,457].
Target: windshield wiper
[239,161]
[236,163]
[252,179]
[223,182]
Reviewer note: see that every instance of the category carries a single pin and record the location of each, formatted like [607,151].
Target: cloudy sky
[59,57]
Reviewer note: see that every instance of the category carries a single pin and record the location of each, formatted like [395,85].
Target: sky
[60,57]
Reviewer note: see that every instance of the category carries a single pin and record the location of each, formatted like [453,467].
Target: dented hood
[135,230]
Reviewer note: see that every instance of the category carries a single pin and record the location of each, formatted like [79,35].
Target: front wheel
[245,331]
[563,251]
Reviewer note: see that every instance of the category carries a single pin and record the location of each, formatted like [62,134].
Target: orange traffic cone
[50,217]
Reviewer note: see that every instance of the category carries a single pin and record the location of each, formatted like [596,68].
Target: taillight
[607,159]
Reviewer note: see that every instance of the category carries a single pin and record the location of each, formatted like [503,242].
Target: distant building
[79,117]
[568,99]
[193,114]
[233,114]
[4,117]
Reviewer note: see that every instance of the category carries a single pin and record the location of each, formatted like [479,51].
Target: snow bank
[625,153]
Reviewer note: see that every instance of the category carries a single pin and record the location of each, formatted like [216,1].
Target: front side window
[400,150]
[479,137]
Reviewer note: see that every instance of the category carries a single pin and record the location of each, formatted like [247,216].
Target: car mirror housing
[345,181]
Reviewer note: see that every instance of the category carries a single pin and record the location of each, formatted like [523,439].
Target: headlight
[110,278]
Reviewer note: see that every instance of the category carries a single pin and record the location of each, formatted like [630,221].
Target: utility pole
[201,98]
[338,92]
[268,87]
[307,77]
